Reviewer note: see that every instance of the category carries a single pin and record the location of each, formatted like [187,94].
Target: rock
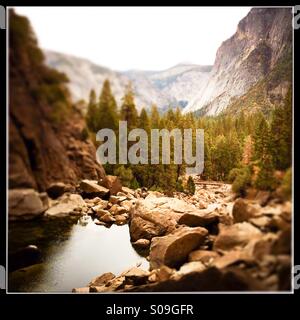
[24,204]
[261,222]
[156,216]
[120,219]
[172,249]
[199,218]
[262,197]
[126,191]
[102,280]
[107,218]
[258,248]
[243,210]
[81,290]
[283,244]
[141,243]
[232,257]
[100,213]
[102,204]
[112,183]
[115,199]
[66,206]
[201,204]
[24,257]
[128,204]
[210,279]
[91,189]
[56,189]
[136,275]
[164,273]
[194,266]
[117,210]
[238,234]
[99,223]
[204,256]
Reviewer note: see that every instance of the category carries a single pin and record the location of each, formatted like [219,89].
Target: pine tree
[108,111]
[261,139]
[191,188]
[92,113]
[281,135]
[155,118]
[128,109]
[144,122]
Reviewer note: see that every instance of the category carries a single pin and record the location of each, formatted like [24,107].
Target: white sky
[146,38]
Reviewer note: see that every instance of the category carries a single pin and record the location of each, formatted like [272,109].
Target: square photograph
[150,149]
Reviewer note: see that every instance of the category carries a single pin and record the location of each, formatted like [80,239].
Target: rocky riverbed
[210,241]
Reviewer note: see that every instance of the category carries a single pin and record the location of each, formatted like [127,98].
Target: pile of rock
[210,249]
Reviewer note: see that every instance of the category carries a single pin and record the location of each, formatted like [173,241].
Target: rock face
[261,39]
[24,204]
[173,249]
[44,147]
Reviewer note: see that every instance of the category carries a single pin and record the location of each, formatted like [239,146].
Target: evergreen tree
[107,112]
[261,139]
[281,135]
[155,118]
[128,109]
[92,113]
[191,188]
[144,122]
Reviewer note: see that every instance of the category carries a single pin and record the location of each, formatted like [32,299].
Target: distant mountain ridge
[167,88]
[262,38]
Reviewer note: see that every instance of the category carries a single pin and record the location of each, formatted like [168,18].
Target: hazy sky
[147,38]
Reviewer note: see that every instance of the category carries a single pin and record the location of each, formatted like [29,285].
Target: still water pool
[72,254]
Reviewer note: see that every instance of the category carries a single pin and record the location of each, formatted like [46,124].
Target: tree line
[248,149]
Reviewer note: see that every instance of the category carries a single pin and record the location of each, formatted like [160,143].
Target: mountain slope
[244,59]
[168,88]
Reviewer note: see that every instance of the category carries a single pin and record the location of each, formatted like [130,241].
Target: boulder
[238,234]
[199,218]
[162,274]
[112,183]
[68,204]
[120,219]
[102,280]
[102,204]
[262,197]
[56,189]
[232,257]
[136,275]
[141,243]
[156,216]
[243,210]
[194,266]
[171,250]
[24,204]
[204,256]
[126,191]
[91,189]
[108,218]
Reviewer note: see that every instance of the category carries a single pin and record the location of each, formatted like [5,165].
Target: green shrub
[190,186]
[241,180]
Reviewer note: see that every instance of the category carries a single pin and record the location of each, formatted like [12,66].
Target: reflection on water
[78,254]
